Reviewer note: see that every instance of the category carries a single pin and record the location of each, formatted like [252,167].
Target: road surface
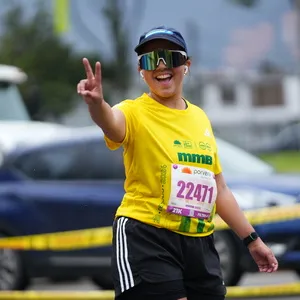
[248,280]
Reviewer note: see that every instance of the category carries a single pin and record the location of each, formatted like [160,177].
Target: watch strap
[253,236]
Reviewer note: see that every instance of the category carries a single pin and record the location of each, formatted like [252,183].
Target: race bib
[193,191]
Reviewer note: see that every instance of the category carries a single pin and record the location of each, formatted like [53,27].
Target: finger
[91,95]
[88,69]
[85,93]
[267,268]
[82,85]
[263,268]
[87,97]
[98,75]
[273,267]
[273,263]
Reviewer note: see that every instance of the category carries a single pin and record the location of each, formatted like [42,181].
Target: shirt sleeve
[126,107]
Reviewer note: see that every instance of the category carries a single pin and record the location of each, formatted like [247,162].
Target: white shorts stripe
[124,269]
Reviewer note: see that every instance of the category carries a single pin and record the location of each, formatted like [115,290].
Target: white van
[16,127]
[12,106]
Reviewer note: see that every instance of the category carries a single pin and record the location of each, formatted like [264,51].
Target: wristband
[253,236]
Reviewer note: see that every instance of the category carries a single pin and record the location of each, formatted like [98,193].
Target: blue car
[75,182]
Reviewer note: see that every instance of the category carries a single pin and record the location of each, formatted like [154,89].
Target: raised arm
[110,120]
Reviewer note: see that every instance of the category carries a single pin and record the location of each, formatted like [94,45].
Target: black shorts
[155,263]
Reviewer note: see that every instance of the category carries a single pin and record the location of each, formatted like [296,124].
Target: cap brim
[169,38]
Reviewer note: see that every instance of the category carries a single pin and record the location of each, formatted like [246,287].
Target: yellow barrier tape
[266,215]
[290,289]
[45,295]
[96,237]
[69,240]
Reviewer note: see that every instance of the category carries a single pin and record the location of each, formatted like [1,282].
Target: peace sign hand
[91,87]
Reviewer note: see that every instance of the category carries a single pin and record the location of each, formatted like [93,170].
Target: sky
[218,33]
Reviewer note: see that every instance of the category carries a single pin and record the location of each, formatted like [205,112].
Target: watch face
[254,236]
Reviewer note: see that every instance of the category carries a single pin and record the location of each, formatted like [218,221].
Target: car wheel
[12,275]
[103,281]
[229,261]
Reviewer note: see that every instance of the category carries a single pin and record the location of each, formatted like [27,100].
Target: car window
[78,161]
[11,104]
[102,163]
[93,160]
[235,160]
[51,163]
[289,137]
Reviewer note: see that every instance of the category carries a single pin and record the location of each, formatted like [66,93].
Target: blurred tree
[122,77]
[53,67]
[117,72]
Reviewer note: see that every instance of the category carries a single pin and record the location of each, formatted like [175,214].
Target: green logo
[204,146]
[177,143]
[188,144]
[195,158]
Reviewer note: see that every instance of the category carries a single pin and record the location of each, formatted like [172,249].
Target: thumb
[271,259]
[93,95]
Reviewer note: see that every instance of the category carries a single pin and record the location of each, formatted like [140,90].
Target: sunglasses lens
[149,61]
[178,59]
[171,59]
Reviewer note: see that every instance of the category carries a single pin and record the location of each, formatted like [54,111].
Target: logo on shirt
[188,144]
[207,132]
[177,143]
[195,158]
[186,170]
[203,145]
[184,144]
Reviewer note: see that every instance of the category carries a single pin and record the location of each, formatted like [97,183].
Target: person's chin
[166,93]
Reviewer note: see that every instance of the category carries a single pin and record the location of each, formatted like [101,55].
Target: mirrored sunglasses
[171,58]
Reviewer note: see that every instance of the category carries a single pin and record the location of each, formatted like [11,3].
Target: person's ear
[142,74]
[187,66]
[186,69]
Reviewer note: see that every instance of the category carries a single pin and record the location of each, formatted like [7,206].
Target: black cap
[164,33]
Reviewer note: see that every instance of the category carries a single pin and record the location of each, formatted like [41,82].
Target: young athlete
[163,246]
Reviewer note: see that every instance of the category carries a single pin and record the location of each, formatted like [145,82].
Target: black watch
[250,238]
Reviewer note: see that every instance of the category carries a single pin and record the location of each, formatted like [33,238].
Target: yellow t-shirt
[157,137]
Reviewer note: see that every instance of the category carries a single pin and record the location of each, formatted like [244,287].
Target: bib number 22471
[193,191]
